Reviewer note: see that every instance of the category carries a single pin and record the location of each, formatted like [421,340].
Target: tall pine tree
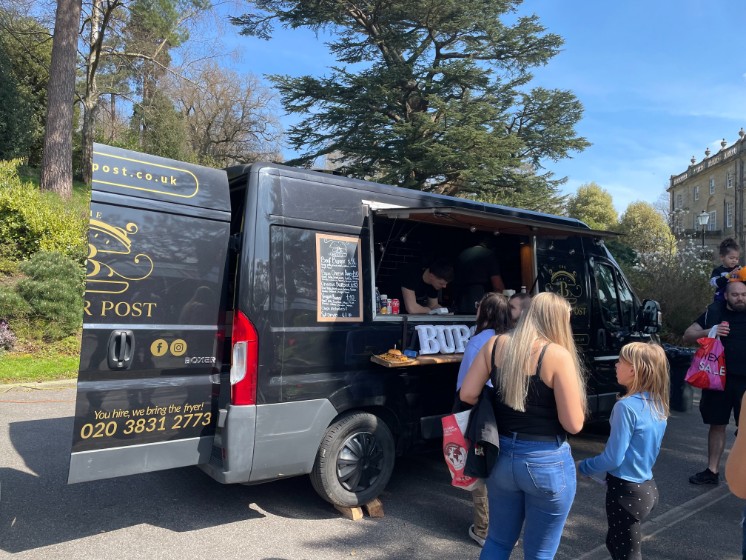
[430,95]
[57,160]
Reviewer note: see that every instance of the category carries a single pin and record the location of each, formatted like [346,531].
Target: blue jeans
[743,542]
[535,482]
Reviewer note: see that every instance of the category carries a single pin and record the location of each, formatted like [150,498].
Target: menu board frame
[349,239]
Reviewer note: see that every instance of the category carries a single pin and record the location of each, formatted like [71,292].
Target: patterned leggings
[627,505]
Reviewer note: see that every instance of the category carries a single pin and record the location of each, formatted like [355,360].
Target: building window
[679,201]
[712,225]
[712,185]
[696,193]
[729,214]
[729,179]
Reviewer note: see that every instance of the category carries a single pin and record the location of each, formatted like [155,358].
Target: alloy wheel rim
[359,462]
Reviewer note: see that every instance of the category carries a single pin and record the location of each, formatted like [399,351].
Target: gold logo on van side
[565,284]
[106,241]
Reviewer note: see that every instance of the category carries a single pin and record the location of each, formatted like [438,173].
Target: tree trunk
[90,106]
[91,98]
[113,113]
[57,161]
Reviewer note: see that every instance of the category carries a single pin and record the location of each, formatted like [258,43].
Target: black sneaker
[705,477]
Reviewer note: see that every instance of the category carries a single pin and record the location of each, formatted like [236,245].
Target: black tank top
[540,418]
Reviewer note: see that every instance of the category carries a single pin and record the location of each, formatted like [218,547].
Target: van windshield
[616,302]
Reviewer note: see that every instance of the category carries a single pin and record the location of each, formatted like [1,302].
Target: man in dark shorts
[420,285]
[716,407]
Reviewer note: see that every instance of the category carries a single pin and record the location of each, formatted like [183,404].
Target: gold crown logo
[105,242]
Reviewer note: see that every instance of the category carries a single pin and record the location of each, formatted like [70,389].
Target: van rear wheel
[354,461]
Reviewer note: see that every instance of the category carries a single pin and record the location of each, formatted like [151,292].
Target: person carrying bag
[482,434]
[493,318]
[707,370]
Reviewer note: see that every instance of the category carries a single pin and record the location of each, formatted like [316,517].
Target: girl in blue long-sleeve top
[638,422]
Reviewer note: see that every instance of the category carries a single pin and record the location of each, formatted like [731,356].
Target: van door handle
[121,349]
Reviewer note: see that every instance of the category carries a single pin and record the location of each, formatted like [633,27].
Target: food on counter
[394,355]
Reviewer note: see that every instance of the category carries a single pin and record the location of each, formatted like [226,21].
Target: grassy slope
[22,368]
[33,360]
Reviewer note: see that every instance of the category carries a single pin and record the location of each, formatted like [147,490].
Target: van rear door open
[153,317]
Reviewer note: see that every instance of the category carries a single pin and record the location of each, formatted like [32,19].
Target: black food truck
[230,319]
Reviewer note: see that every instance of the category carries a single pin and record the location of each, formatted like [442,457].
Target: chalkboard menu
[340,293]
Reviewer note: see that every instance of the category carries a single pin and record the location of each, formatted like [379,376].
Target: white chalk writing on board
[339,287]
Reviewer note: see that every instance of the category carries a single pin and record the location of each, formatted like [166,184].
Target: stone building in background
[714,186]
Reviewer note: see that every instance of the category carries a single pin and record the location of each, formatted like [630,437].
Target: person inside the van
[420,286]
[518,305]
[540,399]
[477,272]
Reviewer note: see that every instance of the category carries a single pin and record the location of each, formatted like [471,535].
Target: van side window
[607,296]
[293,275]
[615,299]
[626,302]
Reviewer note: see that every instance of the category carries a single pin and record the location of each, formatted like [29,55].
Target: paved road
[183,514]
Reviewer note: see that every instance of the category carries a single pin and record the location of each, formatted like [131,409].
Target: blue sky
[660,81]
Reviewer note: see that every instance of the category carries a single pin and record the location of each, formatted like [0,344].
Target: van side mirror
[649,319]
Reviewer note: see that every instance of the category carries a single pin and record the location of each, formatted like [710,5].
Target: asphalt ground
[183,514]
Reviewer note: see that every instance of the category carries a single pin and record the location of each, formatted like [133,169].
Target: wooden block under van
[374,508]
[354,513]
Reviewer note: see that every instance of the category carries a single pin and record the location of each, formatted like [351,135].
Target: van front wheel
[354,461]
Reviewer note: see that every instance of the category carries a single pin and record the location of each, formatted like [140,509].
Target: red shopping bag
[707,370]
[455,448]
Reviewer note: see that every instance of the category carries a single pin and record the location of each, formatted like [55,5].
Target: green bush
[32,221]
[8,262]
[12,305]
[53,289]
[677,278]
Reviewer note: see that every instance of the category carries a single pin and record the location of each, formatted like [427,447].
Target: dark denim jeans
[532,482]
[743,542]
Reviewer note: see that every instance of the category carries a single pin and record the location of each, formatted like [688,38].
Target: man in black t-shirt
[716,406]
[420,286]
[477,272]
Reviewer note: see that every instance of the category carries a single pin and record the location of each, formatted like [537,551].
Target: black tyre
[354,461]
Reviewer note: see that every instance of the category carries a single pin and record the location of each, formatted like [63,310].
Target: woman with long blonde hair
[540,399]
[638,422]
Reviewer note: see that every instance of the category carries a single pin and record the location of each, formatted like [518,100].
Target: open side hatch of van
[154,317]
[511,221]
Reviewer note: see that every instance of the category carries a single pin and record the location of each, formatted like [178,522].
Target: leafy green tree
[15,114]
[25,52]
[100,76]
[645,229]
[594,206]
[127,50]
[161,129]
[428,95]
